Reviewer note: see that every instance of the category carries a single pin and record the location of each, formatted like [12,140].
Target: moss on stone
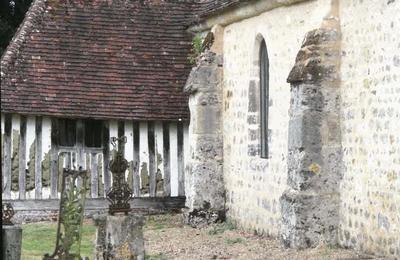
[144,175]
[30,173]
[15,160]
[2,149]
[160,181]
[89,177]
[46,170]
[130,175]
[61,158]
[100,186]
[159,160]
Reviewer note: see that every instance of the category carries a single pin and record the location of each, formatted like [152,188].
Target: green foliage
[72,217]
[222,227]
[197,43]
[38,239]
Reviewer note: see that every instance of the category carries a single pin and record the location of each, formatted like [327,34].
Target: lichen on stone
[30,173]
[100,187]
[15,160]
[130,174]
[46,170]
[144,176]
[160,181]
[61,158]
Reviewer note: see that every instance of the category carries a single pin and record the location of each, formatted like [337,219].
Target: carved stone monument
[119,234]
[71,214]
[11,234]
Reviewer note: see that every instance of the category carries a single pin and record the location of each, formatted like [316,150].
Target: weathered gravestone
[72,204]
[11,234]
[119,235]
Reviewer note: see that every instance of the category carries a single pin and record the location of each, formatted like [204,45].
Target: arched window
[264,98]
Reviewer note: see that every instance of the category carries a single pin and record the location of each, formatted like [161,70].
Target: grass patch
[40,238]
[231,241]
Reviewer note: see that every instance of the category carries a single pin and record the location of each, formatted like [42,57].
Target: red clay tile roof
[120,59]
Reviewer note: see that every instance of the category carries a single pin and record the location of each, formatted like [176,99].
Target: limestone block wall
[254,185]
[370,119]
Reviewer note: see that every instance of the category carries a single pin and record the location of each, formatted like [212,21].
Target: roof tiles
[100,59]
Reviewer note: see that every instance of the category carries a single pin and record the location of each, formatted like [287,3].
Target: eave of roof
[236,11]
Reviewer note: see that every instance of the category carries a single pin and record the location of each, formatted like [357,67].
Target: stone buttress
[205,193]
[310,206]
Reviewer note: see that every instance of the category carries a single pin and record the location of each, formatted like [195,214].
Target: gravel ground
[167,238]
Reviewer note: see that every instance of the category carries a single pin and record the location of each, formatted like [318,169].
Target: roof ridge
[9,56]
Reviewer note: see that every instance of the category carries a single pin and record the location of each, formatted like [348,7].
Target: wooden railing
[32,165]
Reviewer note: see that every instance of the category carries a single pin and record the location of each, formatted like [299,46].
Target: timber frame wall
[156,153]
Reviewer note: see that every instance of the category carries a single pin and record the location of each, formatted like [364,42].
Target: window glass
[264,98]
[93,133]
[66,132]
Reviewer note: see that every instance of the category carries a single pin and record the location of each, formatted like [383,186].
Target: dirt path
[167,238]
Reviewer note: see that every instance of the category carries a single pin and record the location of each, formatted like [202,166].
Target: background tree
[12,13]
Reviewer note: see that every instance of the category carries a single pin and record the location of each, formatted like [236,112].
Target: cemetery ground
[166,237]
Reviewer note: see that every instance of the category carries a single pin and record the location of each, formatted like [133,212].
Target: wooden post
[136,160]
[54,161]
[38,159]
[173,139]
[152,166]
[106,158]
[181,169]
[80,139]
[166,162]
[143,153]
[128,153]
[7,158]
[22,159]
[93,175]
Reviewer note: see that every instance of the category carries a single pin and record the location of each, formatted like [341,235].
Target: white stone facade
[369,120]
[254,185]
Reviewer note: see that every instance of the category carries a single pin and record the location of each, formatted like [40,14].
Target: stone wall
[254,185]
[370,73]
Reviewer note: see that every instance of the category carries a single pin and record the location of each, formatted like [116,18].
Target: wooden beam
[38,158]
[181,164]
[93,175]
[136,160]
[144,154]
[54,160]
[173,141]
[159,203]
[152,163]
[166,160]
[22,159]
[106,157]
[128,153]
[7,158]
